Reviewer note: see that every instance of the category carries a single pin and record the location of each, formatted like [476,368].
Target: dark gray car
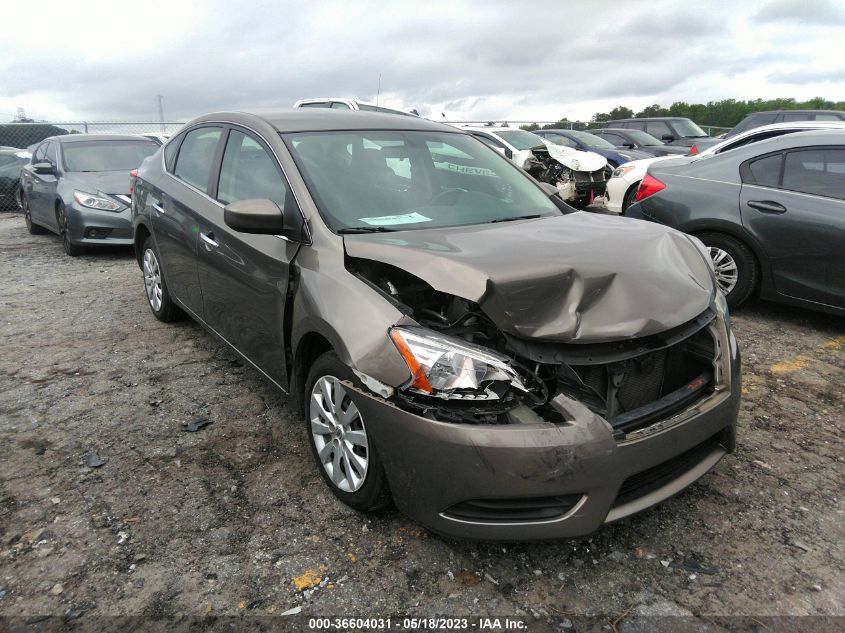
[638,140]
[499,365]
[772,214]
[77,186]
[673,130]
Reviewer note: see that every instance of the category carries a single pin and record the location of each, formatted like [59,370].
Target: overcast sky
[518,60]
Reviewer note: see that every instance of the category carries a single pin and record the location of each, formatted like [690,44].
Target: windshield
[591,140]
[399,180]
[521,139]
[106,155]
[643,138]
[687,128]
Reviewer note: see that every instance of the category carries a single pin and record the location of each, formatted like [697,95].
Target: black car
[756,119]
[772,214]
[638,140]
[673,130]
[11,162]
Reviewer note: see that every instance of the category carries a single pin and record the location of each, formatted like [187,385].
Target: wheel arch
[142,232]
[738,233]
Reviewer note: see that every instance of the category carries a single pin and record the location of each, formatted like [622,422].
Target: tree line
[726,113]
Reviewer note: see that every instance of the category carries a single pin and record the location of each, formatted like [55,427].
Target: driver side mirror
[260,216]
[668,138]
[43,168]
[628,145]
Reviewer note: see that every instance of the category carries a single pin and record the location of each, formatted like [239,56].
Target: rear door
[794,203]
[35,187]
[244,277]
[181,204]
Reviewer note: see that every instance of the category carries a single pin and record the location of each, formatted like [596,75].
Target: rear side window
[248,172]
[816,171]
[765,171]
[170,151]
[196,155]
[316,104]
[796,116]
[657,129]
[339,105]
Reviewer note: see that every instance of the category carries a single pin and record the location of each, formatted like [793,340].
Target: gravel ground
[234,519]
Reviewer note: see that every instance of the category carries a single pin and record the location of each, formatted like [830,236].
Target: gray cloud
[817,12]
[479,57]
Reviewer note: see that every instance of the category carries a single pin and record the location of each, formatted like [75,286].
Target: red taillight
[648,186]
[133,176]
[693,150]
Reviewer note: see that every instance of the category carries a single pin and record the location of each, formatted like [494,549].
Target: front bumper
[92,227]
[435,467]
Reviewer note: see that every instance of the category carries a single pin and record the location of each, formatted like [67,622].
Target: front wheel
[735,266]
[342,446]
[159,299]
[71,249]
[34,229]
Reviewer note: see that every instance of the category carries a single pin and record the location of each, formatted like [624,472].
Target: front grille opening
[653,478]
[513,510]
[633,393]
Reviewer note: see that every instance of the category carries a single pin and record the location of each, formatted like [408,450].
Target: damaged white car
[578,176]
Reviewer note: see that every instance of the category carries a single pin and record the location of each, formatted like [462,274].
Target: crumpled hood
[575,159]
[580,277]
[116,182]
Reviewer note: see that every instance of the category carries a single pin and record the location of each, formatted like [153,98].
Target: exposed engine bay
[629,383]
[579,176]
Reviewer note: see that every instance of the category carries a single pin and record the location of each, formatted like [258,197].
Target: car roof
[842,112]
[76,138]
[652,118]
[325,119]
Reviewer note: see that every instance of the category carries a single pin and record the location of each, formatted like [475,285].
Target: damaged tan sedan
[459,341]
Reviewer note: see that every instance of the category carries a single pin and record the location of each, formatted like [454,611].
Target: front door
[244,277]
[799,217]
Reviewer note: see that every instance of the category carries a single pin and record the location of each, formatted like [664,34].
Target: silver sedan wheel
[152,279]
[726,270]
[339,434]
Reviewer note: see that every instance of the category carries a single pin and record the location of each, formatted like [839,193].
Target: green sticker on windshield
[388,220]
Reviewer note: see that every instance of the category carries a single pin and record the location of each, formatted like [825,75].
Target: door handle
[158,207]
[767,206]
[208,238]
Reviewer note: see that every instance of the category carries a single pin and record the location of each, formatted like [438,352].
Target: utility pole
[378,92]
[161,112]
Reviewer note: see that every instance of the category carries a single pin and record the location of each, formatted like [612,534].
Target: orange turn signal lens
[418,377]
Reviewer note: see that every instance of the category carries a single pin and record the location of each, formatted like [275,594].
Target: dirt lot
[228,520]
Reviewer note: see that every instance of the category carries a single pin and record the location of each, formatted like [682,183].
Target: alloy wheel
[725,266]
[152,279]
[339,434]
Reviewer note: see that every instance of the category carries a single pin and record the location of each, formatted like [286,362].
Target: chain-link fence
[24,135]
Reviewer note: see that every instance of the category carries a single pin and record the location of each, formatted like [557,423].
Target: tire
[34,229]
[158,297]
[729,255]
[74,250]
[366,494]
[628,200]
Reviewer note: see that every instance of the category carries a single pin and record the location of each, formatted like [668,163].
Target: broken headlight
[451,368]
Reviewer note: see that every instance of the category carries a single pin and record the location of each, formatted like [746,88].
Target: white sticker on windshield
[405,218]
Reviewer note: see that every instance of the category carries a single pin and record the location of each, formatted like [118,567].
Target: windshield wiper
[365,229]
[518,217]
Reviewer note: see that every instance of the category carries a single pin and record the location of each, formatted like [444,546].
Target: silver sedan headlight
[95,202]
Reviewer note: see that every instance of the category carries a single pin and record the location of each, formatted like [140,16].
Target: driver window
[248,172]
